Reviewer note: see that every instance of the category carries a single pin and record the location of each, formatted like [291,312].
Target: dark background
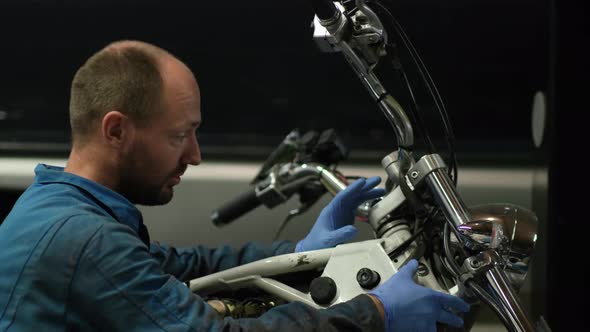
[261,75]
[568,290]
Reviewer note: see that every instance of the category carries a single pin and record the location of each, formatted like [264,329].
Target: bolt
[475,264]
[422,270]
[414,174]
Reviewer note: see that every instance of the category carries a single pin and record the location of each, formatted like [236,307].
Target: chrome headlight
[509,229]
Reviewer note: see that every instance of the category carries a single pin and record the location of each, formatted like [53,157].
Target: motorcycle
[480,253]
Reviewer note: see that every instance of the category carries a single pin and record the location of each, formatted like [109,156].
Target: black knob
[323,290]
[368,278]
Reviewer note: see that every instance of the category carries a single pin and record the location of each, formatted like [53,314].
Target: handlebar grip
[235,208]
[324,9]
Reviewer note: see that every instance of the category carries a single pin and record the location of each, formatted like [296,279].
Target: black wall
[568,289]
[261,74]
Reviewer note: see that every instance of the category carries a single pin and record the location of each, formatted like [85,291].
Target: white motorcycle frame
[341,264]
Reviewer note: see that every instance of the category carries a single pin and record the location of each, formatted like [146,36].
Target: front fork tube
[488,264]
[432,170]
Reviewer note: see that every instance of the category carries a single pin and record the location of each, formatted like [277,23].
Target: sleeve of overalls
[119,286]
[189,263]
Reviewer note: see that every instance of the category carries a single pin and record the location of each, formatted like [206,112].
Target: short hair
[124,76]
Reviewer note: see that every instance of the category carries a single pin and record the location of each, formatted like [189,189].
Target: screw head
[414,174]
[422,270]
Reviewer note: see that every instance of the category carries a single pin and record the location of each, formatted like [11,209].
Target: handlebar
[276,188]
[324,9]
[238,206]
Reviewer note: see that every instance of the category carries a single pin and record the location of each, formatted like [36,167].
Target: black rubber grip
[324,9]
[235,208]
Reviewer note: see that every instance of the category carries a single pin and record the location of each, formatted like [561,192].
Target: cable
[452,162]
[416,111]
[402,247]
[290,189]
[448,226]
[292,213]
[429,83]
[282,227]
[490,302]
[438,264]
[435,95]
[447,249]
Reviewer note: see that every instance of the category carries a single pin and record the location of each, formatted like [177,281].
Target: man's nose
[193,153]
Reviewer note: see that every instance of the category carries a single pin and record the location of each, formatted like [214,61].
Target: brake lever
[284,152]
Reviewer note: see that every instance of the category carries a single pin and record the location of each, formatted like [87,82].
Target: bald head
[125,76]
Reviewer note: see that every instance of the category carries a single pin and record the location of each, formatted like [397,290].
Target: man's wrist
[379,306]
[299,246]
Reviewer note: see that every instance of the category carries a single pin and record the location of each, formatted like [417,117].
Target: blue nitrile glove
[334,224]
[411,307]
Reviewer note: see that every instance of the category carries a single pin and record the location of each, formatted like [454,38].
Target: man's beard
[139,191]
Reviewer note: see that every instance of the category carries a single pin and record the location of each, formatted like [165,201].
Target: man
[75,253]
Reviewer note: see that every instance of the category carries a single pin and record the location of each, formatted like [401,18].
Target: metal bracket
[426,165]
[268,192]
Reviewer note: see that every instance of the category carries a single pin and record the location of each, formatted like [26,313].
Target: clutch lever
[286,151]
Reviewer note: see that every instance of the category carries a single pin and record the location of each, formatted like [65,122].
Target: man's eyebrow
[193,124]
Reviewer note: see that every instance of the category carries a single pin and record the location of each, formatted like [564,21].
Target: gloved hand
[411,307]
[334,224]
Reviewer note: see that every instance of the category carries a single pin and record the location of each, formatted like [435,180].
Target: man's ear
[117,129]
